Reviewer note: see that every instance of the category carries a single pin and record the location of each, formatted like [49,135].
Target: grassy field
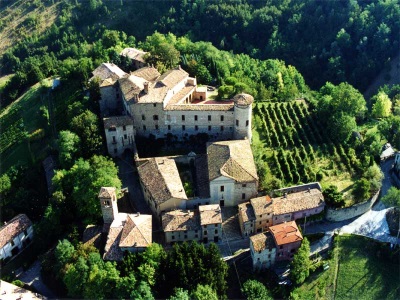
[365,270]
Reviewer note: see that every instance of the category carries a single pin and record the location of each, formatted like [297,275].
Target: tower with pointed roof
[108,203]
[242,115]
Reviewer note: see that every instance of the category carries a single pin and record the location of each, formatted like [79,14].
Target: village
[207,198]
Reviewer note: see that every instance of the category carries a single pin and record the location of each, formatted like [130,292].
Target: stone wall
[336,215]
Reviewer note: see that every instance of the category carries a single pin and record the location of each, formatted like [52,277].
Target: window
[12,243]
[196,236]
[112,129]
[243,196]
[144,127]
[185,236]
[269,255]
[114,140]
[230,128]
[209,117]
[280,247]
[125,136]
[205,232]
[143,117]
[169,127]
[222,128]
[154,105]
[244,185]
[124,128]
[209,128]
[205,226]
[155,117]
[195,117]
[267,221]
[196,127]
[222,118]
[25,232]
[216,231]
[183,127]
[216,225]
[258,259]
[196,231]
[173,237]
[222,188]
[237,122]
[260,222]
[247,123]
[260,216]
[156,127]
[183,117]
[115,150]
[168,117]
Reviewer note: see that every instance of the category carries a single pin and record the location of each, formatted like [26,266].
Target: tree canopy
[392,198]
[255,290]
[300,266]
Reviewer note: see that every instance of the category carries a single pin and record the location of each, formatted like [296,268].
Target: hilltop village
[145,102]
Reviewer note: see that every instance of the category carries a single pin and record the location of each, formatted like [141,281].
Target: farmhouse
[15,235]
[125,232]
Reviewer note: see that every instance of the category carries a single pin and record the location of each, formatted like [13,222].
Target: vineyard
[297,149]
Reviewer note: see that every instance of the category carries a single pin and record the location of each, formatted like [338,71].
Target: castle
[146,102]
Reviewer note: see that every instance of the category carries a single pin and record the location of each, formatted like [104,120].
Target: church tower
[108,203]
[242,115]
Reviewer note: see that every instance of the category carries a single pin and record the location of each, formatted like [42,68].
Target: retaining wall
[341,214]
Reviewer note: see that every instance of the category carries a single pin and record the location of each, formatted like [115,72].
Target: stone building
[262,250]
[297,202]
[211,222]
[162,187]
[232,173]
[15,235]
[125,232]
[120,134]
[287,237]
[136,55]
[181,226]
[202,224]
[172,104]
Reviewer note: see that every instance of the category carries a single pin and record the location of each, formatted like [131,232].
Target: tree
[255,290]
[333,197]
[68,147]
[341,127]
[204,292]
[362,189]
[382,106]
[180,294]
[375,176]
[86,126]
[392,197]
[64,253]
[300,266]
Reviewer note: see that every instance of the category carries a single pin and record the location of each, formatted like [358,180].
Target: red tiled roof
[286,233]
[14,227]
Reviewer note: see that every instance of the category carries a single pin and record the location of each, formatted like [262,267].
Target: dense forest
[325,40]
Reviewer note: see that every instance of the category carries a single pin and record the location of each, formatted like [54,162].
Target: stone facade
[108,204]
[120,134]
[171,104]
[262,250]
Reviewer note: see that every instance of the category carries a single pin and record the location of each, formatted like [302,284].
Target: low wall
[341,214]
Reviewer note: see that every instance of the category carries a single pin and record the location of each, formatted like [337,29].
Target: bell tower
[108,203]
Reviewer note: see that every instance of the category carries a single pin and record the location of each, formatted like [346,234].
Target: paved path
[32,277]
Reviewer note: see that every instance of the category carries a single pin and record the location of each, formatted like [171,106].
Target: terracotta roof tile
[262,241]
[200,107]
[299,201]
[233,159]
[210,214]
[246,211]
[113,122]
[262,205]
[107,192]
[14,227]
[243,99]
[112,251]
[136,231]
[148,73]
[286,233]
[161,178]
[134,54]
[108,70]
[180,220]
[172,77]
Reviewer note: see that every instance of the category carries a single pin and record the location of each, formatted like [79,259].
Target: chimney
[146,87]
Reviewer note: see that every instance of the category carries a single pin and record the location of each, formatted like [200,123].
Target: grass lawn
[365,271]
